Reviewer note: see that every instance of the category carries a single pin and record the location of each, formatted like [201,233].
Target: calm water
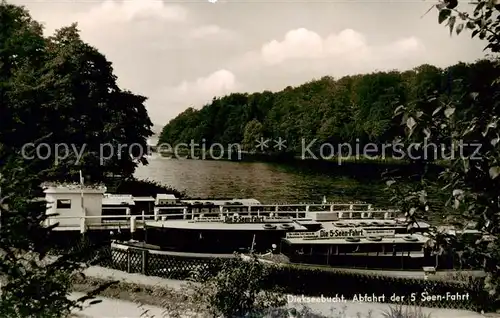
[266,182]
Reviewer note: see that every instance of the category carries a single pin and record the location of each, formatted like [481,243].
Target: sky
[181,54]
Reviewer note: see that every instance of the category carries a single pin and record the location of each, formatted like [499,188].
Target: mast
[83,222]
[253,243]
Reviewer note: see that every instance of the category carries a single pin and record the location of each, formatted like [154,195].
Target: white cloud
[152,45]
[347,45]
[111,12]
[202,89]
[207,31]
[300,43]
[195,93]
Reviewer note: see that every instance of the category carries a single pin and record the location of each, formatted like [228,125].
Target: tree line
[354,109]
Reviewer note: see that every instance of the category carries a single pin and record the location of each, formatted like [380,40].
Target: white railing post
[156,213]
[132,226]
[307,208]
[184,212]
[332,207]
[83,227]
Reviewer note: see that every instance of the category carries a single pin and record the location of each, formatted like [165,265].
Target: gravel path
[123,308]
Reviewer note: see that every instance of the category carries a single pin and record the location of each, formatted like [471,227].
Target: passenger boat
[359,244]
[334,234]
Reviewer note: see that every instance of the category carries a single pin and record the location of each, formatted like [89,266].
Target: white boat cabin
[72,202]
[166,199]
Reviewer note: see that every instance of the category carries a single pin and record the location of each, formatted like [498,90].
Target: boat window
[369,248]
[348,248]
[308,249]
[320,249]
[356,215]
[400,248]
[387,248]
[64,204]
[414,247]
[301,250]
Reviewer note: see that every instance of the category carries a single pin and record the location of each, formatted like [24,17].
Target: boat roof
[66,188]
[144,199]
[165,196]
[223,202]
[367,223]
[114,201]
[396,239]
[308,222]
[117,199]
[192,225]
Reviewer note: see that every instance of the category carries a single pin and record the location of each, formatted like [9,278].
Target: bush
[239,289]
[401,311]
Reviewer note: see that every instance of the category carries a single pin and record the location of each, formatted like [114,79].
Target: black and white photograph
[249,158]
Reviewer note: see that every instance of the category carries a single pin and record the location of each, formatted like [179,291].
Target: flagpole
[83,222]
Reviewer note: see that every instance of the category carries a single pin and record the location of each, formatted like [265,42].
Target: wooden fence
[313,282]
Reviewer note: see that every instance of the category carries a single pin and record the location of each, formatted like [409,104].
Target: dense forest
[352,109]
[62,111]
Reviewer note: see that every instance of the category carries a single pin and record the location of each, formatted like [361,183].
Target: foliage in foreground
[238,289]
[182,303]
[401,311]
[471,180]
[59,93]
[33,283]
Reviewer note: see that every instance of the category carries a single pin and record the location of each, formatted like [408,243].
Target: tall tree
[63,86]
[55,93]
[253,133]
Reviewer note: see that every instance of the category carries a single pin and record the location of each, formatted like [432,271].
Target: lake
[266,182]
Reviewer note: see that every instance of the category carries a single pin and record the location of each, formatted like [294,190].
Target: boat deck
[220,226]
